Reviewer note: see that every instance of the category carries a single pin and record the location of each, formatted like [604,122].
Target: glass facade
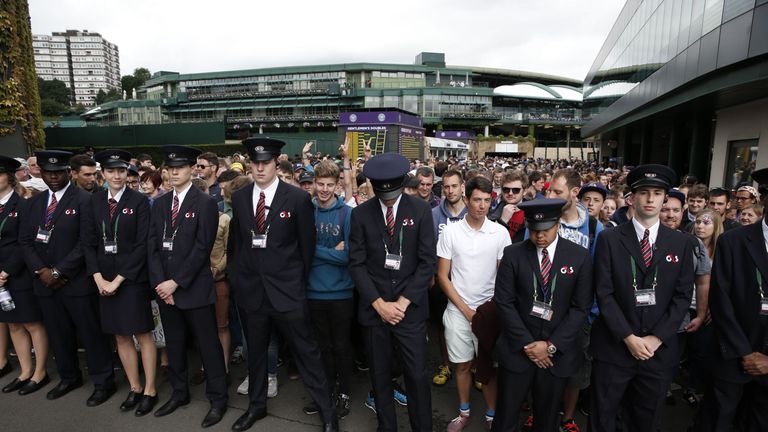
[656,46]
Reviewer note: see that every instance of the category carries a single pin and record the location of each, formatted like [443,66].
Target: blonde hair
[717,220]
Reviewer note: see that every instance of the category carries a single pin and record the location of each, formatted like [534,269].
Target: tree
[54,90]
[111,95]
[142,75]
[52,108]
[130,82]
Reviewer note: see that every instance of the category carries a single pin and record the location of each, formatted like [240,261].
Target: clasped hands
[391,312]
[537,353]
[165,291]
[642,348]
[755,364]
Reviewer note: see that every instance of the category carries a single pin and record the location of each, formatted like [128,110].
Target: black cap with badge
[651,175]
[263,149]
[177,156]
[53,160]
[9,165]
[593,187]
[307,177]
[543,213]
[113,158]
[387,173]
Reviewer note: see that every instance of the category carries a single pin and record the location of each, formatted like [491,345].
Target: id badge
[392,262]
[764,307]
[168,244]
[110,247]
[646,297]
[43,236]
[542,310]
[258,241]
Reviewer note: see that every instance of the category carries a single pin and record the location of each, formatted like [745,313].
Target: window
[741,162]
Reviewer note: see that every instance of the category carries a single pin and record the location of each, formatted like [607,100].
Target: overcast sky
[560,37]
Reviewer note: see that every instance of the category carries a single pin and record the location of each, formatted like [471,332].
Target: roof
[532,90]
[512,73]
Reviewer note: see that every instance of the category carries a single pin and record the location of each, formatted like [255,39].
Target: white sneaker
[271,386]
[243,387]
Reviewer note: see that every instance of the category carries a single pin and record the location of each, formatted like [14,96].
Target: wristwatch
[55,273]
[551,349]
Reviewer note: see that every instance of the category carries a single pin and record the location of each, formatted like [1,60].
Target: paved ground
[35,413]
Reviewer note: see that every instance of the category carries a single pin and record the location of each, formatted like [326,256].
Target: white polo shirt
[473,254]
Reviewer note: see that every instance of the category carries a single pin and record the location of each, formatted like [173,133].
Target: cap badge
[52,160]
[114,157]
[386,186]
[258,149]
[171,155]
[538,216]
[650,175]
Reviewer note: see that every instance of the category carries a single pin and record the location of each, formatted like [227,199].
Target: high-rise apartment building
[84,61]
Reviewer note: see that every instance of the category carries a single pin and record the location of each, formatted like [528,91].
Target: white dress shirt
[640,231]
[394,208]
[120,195]
[550,251]
[269,195]
[59,194]
[181,195]
[5,199]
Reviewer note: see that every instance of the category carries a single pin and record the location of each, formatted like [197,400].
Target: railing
[251,94]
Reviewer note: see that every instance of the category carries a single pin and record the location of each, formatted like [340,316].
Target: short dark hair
[228,175]
[698,191]
[78,161]
[571,176]
[453,173]
[515,175]
[144,157]
[285,166]
[152,176]
[718,192]
[440,168]
[210,157]
[425,171]
[535,176]
[480,183]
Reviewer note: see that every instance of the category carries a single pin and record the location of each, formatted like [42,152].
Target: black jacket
[11,256]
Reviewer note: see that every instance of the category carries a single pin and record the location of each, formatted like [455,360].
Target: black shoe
[342,405]
[63,388]
[15,385]
[215,414]
[248,419]
[197,377]
[100,396]
[146,405]
[311,409]
[131,401]
[170,407]
[6,369]
[31,386]
[333,426]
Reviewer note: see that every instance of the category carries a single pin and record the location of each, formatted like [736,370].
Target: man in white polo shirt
[469,252]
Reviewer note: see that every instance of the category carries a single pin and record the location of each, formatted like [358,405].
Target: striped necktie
[112,208]
[49,212]
[546,266]
[390,223]
[174,210]
[645,247]
[261,214]
[2,207]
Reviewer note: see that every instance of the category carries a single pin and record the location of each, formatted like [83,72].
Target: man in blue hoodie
[330,286]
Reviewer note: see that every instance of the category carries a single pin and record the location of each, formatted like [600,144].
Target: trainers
[342,405]
[443,375]
[370,402]
[488,423]
[243,387]
[271,386]
[528,423]
[311,409]
[237,356]
[400,396]
[458,424]
[569,426]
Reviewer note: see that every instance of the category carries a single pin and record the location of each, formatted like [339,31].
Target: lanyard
[266,231]
[634,274]
[117,222]
[760,283]
[386,249]
[536,291]
[173,236]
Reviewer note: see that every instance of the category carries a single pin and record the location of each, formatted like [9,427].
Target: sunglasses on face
[202,166]
[513,191]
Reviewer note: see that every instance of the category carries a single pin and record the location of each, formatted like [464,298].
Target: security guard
[52,238]
[739,307]
[643,287]
[543,294]
[392,259]
[269,256]
[182,230]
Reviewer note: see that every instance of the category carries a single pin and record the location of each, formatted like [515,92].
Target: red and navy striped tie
[645,247]
[546,266]
[112,208]
[174,210]
[261,218]
[2,207]
[390,223]
[49,212]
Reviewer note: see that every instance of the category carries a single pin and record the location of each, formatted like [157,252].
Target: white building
[85,62]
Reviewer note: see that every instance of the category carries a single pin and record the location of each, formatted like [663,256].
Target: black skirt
[27,309]
[128,312]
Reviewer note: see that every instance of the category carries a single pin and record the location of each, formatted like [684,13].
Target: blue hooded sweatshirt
[441,217]
[329,278]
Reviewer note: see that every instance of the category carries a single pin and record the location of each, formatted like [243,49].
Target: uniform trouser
[636,391]
[66,318]
[745,404]
[200,324]
[547,391]
[296,329]
[409,340]
[332,320]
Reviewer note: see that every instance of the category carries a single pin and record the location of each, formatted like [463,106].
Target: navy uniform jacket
[11,257]
[283,266]
[734,300]
[189,264]
[619,317]
[71,222]
[132,221]
[571,302]
[367,255]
